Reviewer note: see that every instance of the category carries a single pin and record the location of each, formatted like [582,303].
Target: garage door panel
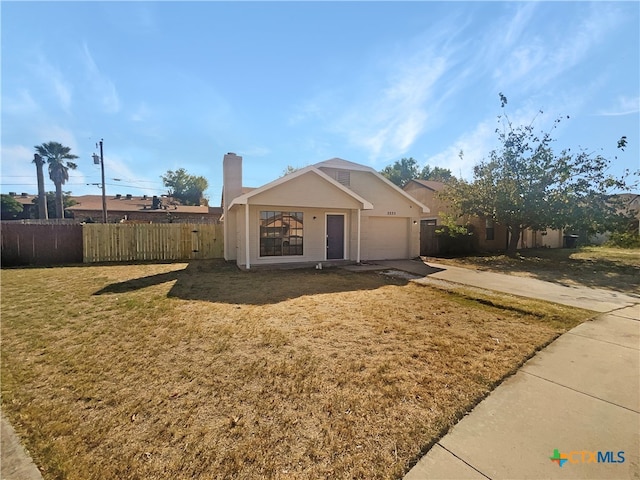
[386,238]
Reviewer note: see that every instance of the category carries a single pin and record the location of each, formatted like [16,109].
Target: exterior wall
[385,199]
[530,239]
[541,239]
[499,241]
[381,237]
[314,234]
[427,197]
[392,229]
[308,190]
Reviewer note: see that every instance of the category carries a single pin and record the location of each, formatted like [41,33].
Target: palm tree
[58,157]
[42,196]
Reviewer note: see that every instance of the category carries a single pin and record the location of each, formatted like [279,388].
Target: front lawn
[203,371]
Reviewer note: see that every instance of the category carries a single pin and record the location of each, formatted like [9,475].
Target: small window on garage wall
[489,229]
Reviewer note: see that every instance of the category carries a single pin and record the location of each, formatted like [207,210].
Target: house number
[391,213]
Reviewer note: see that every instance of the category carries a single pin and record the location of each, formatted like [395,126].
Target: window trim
[297,231]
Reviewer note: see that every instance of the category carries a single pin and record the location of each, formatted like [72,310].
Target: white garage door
[386,238]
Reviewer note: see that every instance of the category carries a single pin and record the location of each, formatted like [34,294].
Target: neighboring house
[129,208]
[331,211]
[29,208]
[630,205]
[489,236]
[633,205]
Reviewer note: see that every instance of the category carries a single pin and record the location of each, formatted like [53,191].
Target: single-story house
[147,209]
[29,208]
[335,210]
[628,204]
[489,235]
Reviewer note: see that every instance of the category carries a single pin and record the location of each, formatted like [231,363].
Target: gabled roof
[430,184]
[244,199]
[340,163]
[344,164]
[244,190]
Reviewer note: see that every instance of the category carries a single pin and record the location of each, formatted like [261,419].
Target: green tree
[524,184]
[288,170]
[10,207]
[407,169]
[438,174]
[42,198]
[189,189]
[58,157]
[401,171]
[50,202]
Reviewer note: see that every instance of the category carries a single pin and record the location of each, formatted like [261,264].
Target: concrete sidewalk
[580,394]
[578,399]
[15,462]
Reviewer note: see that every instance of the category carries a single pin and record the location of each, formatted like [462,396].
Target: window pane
[281,233]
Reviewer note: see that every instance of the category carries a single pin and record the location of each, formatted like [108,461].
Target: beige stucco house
[335,210]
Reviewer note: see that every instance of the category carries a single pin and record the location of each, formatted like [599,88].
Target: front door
[335,237]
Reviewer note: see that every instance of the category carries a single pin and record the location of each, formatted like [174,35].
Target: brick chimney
[231,188]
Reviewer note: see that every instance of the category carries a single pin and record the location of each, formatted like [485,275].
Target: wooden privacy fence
[168,241]
[43,244]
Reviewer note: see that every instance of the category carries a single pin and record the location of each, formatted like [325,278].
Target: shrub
[624,240]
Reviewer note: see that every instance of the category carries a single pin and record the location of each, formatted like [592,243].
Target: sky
[171,85]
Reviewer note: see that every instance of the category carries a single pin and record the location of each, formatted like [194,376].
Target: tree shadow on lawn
[219,282]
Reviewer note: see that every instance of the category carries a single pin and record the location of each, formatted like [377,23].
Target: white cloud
[518,24]
[16,164]
[56,133]
[101,84]
[531,60]
[255,151]
[623,106]
[50,74]
[117,166]
[141,114]
[389,119]
[475,147]
[19,172]
[20,104]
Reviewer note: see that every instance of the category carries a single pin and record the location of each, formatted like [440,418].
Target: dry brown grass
[599,267]
[202,371]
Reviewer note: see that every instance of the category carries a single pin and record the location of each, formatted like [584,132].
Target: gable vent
[343,177]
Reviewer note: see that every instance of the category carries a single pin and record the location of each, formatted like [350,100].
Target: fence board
[40,244]
[134,242]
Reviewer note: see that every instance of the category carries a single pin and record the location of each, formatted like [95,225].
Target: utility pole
[104,196]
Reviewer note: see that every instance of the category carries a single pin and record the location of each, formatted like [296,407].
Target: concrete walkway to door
[577,401]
